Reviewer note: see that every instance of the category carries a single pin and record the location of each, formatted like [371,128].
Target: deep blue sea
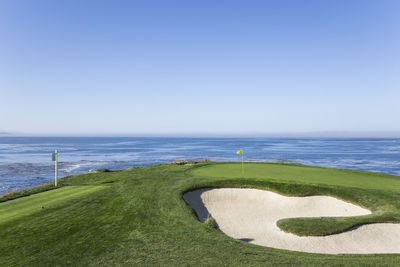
[26,161]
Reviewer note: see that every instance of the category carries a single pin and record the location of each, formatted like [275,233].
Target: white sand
[251,215]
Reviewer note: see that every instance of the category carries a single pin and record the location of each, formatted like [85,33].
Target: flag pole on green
[241,152]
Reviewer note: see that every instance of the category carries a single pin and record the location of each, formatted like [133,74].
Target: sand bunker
[251,215]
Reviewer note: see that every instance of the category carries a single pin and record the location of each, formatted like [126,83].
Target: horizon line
[311,134]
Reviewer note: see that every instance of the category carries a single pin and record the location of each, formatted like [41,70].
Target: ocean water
[26,161]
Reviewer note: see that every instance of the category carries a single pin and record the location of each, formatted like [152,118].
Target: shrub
[210,222]
[104,170]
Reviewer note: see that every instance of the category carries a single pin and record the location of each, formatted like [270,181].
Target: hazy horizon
[327,134]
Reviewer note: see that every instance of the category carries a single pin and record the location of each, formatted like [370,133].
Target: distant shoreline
[328,134]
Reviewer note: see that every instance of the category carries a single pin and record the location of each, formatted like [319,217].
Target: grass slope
[141,219]
[25,206]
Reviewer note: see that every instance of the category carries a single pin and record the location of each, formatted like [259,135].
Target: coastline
[26,162]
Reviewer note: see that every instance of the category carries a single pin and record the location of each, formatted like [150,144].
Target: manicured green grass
[24,206]
[300,173]
[140,219]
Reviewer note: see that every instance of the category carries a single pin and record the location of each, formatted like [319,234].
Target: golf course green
[137,216]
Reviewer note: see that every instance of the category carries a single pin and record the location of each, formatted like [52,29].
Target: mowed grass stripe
[21,202]
[302,174]
[18,208]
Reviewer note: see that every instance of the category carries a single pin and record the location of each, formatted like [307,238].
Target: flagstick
[55,168]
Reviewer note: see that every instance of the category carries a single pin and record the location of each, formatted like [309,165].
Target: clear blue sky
[199,67]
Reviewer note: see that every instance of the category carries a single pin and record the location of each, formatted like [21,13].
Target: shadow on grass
[246,239]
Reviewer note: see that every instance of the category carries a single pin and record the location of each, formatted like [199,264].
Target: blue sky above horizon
[199,67]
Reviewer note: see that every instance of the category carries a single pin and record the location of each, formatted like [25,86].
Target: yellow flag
[239,151]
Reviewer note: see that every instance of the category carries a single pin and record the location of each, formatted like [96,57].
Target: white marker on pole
[55,159]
